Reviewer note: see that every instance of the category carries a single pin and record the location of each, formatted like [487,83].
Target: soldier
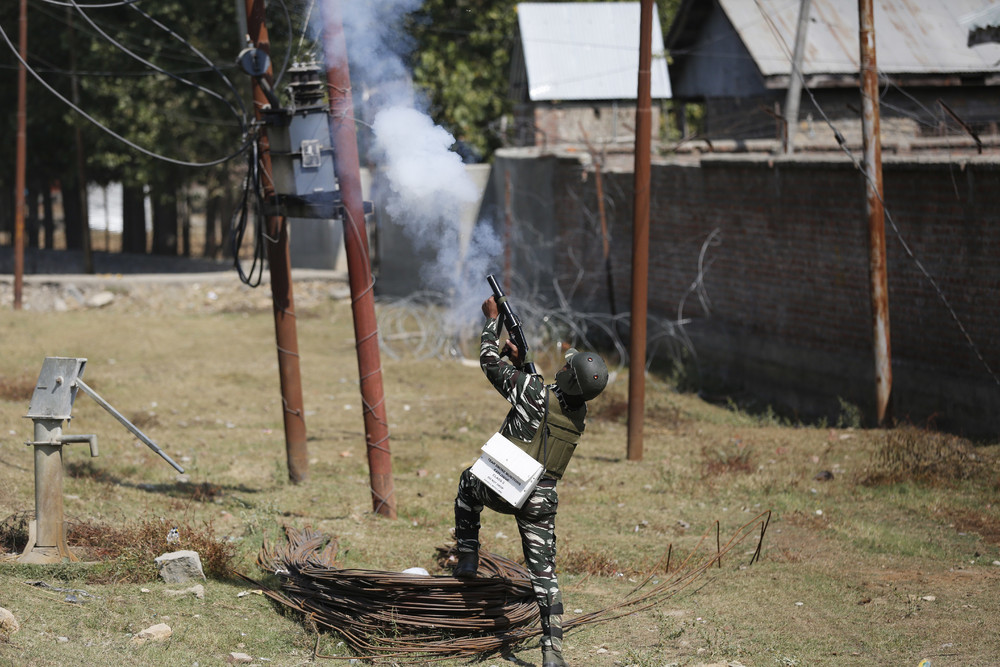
[561,407]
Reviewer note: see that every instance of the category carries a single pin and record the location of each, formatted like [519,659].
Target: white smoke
[428,181]
[428,186]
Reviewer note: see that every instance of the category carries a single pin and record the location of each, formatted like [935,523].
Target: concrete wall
[787,282]
[399,258]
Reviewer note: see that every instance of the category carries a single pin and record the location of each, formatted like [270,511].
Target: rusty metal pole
[81,161]
[347,166]
[22,156]
[876,213]
[280,267]
[508,232]
[640,238]
[605,237]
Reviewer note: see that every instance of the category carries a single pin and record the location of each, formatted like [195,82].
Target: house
[984,26]
[574,72]
[734,56]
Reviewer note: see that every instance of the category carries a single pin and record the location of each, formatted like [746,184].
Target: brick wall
[787,281]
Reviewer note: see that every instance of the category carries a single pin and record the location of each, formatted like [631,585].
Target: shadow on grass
[203,492]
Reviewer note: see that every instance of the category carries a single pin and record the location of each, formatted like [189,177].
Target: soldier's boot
[468,565]
[552,639]
[467,543]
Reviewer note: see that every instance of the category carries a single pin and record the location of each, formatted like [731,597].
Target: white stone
[8,623]
[180,567]
[100,300]
[154,633]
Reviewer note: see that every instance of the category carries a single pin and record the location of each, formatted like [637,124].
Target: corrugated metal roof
[587,51]
[911,36]
[984,25]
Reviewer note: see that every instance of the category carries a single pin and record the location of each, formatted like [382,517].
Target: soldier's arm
[524,391]
[498,372]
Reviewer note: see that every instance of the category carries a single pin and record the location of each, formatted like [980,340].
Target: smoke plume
[428,187]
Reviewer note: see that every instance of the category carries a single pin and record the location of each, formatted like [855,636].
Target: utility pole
[876,213]
[280,267]
[348,169]
[640,237]
[794,95]
[81,170]
[22,155]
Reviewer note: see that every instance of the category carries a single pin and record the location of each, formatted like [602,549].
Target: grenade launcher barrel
[512,323]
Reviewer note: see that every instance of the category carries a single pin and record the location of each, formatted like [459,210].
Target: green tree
[150,111]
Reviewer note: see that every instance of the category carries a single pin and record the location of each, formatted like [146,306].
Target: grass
[886,560]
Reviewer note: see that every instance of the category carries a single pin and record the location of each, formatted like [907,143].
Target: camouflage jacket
[525,392]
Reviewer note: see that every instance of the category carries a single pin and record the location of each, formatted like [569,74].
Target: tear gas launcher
[512,323]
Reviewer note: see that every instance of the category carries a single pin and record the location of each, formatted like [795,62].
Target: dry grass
[124,553]
[17,388]
[910,454]
[925,522]
[735,459]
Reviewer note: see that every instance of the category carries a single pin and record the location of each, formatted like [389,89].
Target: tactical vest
[556,437]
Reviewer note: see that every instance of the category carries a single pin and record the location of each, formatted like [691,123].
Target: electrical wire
[103,5]
[241,114]
[251,204]
[108,130]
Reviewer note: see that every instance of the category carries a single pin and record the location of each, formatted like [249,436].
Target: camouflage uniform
[536,518]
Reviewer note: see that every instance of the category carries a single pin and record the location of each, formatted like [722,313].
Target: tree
[148,109]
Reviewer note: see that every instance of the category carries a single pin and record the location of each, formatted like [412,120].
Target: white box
[505,468]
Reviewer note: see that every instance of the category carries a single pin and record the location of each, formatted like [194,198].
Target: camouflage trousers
[536,524]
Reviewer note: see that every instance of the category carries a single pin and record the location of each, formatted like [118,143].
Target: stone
[235,657]
[180,567]
[154,633]
[8,624]
[100,300]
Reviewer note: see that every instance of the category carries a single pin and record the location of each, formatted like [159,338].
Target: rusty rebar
[420,619]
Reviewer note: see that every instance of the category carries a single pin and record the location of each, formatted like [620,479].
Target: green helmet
[585,375]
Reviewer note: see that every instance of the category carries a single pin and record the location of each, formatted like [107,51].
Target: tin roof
[984,25]
[587,51]
[922,37]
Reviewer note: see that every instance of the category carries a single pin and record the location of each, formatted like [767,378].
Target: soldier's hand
[490,308]
[510,350]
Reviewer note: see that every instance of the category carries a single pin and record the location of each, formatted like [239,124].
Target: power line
[144,151]
[242,114]
[103,5]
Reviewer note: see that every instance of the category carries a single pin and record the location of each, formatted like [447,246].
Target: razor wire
[558,310]
[421,326]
